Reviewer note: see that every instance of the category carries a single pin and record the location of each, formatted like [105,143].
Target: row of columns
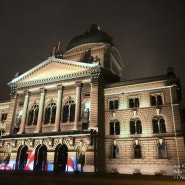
[60,89]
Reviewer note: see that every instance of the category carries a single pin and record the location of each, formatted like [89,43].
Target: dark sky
[150,34]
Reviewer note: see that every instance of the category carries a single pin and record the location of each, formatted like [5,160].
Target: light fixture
[136,141]
[160,141]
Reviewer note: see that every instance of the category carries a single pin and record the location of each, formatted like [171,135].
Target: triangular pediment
[53,69]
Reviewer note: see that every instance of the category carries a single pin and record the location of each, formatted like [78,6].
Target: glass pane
[116,104]
[111,128]
[153,100]
[159,100]
[132,127]
[117,129]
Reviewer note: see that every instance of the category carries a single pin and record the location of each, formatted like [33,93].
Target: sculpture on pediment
[57,51]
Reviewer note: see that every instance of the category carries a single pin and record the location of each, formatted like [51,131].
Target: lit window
[158,124]
[133,102]
[113,104]
[86,110]
[135,126]
[50,112]
[115,151]
[69,111]
[162,153]
[156,100]
[114,128]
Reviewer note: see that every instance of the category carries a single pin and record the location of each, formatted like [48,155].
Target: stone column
[60,89]
[78,105]
[41,108]
[24,113]
[11,114]
[94,98]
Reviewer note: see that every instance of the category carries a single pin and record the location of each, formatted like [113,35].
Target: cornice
[78,51]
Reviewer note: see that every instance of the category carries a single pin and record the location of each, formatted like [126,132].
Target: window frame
[114,104]
[114,127]
[135,103]
[155,97]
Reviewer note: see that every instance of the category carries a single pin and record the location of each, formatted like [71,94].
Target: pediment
[52,69]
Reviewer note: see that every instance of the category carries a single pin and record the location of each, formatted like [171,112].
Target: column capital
[60,87]
[79,84]
[43,90]
[27,93]
[95,78]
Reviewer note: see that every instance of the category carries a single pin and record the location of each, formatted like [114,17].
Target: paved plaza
[45,178]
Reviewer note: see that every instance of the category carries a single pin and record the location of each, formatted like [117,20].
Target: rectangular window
[113,104]
[3,117]
[133,102]
[156,99]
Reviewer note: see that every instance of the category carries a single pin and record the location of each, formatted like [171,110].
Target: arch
[22,157]
[60,158]
[40,160]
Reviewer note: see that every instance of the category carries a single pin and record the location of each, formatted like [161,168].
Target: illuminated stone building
[75,112]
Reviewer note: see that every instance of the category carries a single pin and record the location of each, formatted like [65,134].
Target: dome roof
[93,35]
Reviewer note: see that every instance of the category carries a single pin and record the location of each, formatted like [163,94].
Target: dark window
[3,117]
[135,126]
[60,158]
[162,153]
[156,100]
[114,128]
[69,111]
[113,104]
[133,102]
[33,115]
[115,152]
[158,125]
[50,112]
[137,151]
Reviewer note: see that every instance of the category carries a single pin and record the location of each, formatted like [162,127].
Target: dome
[93,35]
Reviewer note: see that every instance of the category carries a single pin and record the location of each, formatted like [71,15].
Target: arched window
[158,124]
[50,112]
[162,152]
[22,157]
[40,160]
[137,151]
[114,127]
[33,115]
[156,99]
[115,151]
[60,158]
[69,111]
[135,126]
[133,102]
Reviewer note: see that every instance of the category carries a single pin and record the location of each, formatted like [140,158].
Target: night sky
[149,34]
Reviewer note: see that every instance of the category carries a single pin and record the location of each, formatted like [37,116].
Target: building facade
[75,112]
